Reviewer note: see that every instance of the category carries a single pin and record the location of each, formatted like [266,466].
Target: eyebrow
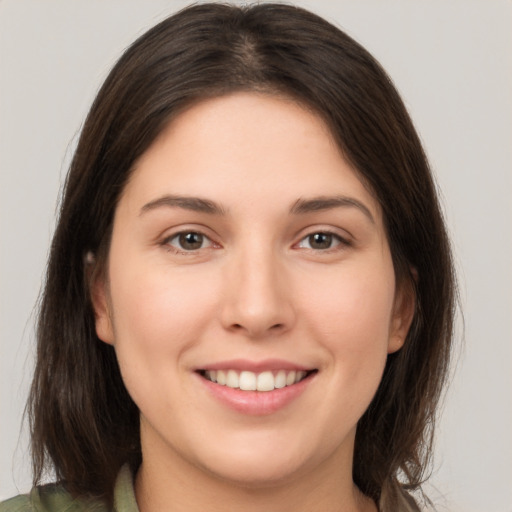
[326,203]
[195,204]
[301,206]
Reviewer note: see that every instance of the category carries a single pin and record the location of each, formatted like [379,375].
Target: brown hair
[84,424]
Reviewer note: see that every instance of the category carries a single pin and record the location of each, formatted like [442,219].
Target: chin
[258,465]
[257,475]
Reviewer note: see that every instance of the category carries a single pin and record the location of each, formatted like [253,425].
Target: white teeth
[221,377]
[232,379]
[247,381]
[265,382]
[250,381]
[280,379]
[290,378]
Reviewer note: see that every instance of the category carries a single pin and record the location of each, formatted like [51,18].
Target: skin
[257,288]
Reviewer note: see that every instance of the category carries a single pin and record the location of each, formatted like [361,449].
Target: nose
[257,300]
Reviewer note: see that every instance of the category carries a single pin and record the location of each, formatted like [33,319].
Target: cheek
[157,317]
[352,305]
[155,308]
[352,321]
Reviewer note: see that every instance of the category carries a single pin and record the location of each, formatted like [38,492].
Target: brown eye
[189,241]
[320,241]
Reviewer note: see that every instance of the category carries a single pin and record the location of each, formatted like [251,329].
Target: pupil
[320,241]
[191,241]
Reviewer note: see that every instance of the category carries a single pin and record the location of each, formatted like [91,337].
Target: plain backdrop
[451,61]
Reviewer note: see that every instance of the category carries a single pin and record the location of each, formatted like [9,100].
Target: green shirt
[54,498]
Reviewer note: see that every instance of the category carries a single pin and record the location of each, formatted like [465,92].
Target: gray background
[450,59]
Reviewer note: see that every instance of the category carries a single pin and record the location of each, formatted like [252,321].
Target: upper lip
[255,366]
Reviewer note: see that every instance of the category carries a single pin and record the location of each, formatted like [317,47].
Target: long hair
[84,424]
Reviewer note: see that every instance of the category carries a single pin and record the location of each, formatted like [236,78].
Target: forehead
[248,146]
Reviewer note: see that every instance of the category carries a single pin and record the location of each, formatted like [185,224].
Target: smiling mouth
[251,381]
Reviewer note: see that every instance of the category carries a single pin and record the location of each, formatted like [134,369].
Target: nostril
[257,331]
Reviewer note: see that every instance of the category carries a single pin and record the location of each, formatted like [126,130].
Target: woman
[250,293]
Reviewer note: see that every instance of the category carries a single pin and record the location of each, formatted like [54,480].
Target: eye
[189,241]
[320,241]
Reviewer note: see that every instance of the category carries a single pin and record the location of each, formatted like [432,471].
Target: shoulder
[55,498]
[50,498]
[18,504]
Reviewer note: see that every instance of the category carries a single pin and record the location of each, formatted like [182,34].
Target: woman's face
[245,250]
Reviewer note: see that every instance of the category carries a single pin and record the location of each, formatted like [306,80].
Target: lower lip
[257,403]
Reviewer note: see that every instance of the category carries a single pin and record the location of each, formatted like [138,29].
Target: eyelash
[339,241]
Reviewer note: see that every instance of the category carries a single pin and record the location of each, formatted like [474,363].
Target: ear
[102,311]
[403,313]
